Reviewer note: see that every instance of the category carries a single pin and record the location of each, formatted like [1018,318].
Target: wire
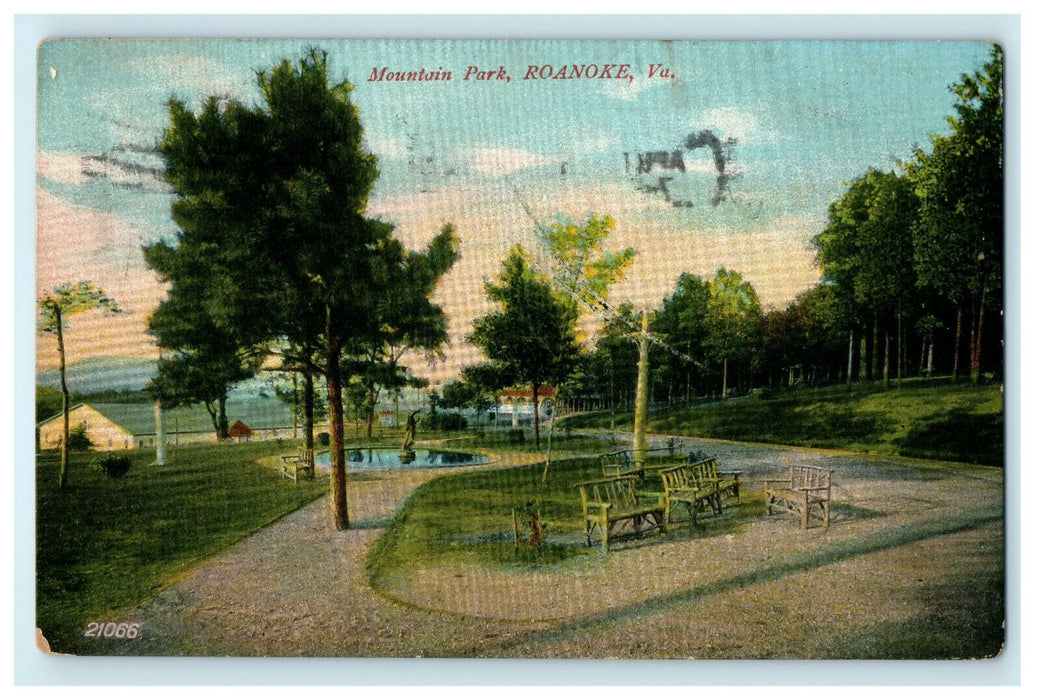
[588,298]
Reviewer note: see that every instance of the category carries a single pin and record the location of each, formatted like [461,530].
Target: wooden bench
[299,466]
[617,463]
[681,485]
[725,483]
[807,492]
[611,504]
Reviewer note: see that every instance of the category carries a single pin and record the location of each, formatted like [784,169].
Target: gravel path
[914,549]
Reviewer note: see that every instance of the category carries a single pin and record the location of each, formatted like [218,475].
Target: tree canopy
[271,200]
[56,307]
[531,338]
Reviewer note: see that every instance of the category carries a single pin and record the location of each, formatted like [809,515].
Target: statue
[407,454]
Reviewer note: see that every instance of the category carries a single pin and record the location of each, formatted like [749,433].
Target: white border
[35,668]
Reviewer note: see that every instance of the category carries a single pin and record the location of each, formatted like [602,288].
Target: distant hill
[102,373]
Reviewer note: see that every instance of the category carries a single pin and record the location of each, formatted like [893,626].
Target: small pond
[372,459]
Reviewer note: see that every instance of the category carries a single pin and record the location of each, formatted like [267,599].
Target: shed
[240,430]
[103,432]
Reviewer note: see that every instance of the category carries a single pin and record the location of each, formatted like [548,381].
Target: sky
[792,123]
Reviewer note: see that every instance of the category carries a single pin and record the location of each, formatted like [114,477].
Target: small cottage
[104,433]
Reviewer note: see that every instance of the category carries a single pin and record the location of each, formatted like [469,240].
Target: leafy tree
[682,322]
[531,338]
[581,264]
[959,236]
[466,394]
[273,197]
[733,314]
[409,320]
[203,360]
[55,308]
[866,251]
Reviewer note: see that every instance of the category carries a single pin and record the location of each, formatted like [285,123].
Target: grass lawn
[104,545]
[935,420]
[467,519]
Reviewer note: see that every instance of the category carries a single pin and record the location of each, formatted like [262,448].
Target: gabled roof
[139,418]
[544,391]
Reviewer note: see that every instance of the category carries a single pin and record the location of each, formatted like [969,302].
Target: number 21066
[113,630]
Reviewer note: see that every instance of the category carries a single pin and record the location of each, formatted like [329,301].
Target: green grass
[105,545]
[466,520]
[934,420]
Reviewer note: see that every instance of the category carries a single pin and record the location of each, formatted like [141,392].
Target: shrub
[442,421]
[78,439]
[114,466]
[323,439]
[516,436]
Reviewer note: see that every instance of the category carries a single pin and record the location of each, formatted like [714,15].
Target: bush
[516,436]
[78,439]
[323,439]
[442,421]
[114,466]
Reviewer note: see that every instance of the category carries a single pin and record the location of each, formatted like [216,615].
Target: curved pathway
[915,549]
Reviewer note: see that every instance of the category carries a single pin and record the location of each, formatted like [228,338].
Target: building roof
[544,390]
[239,429]
[139,418]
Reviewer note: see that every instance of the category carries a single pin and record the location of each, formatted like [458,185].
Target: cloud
[125,168]
[61,167]
[497,162]
[739,124]
[391,148]
[195,74]
[77,243]
[626,90]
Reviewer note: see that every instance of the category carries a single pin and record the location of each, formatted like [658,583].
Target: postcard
[520,349]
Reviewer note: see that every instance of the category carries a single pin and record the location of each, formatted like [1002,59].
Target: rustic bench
[681,485]
[617,463]
[725,483]
[611,504]
[807,492]
[299,466]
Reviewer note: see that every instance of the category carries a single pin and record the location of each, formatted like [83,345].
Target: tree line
[912,285]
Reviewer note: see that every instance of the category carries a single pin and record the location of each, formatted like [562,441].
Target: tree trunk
[886,361]
[338,467]
[900,348]
[63,469]
[211,409]
[977,342]
[222,417]
[723,393]
[958,342]
[309,411]
[862,374]
[296,405]
[850,359]
[929,359]
[874,371]
[370,407]
[535,412]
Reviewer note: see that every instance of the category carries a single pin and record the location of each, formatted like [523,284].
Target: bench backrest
[615,463]
[706,470]
[619,492]
[803,478]
[679,477]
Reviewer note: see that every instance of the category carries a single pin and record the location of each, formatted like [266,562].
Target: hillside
[936,420]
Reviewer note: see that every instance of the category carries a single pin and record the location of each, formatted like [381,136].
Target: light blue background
[32,667]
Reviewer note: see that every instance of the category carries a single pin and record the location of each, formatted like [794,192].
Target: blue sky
[798,120]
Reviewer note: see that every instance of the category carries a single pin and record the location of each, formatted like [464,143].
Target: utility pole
[640,409]
[160,434]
